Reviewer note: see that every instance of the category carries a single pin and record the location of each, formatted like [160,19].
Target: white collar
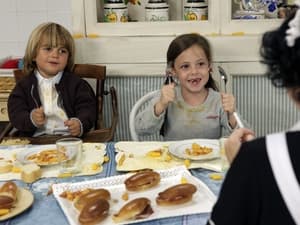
[54,80]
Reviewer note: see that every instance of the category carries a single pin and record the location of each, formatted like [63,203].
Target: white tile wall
[19,17]
[8,6]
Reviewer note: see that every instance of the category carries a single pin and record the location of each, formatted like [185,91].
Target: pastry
[90,196]
[94,211]
[8,195]
[138,208]
[142,180]
[176,195]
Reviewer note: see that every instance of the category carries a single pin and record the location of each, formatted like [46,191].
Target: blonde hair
[55,35]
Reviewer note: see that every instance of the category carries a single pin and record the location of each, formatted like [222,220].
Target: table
[46,209]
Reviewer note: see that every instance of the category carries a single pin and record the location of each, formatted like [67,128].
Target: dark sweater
[78,100]
[250,195]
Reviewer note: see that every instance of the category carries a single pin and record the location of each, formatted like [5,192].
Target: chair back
[97,73]
[139,105]
[101,133]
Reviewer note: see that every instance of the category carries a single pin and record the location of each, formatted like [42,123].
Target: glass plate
[178,149]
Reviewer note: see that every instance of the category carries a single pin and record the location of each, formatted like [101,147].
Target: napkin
[133,156]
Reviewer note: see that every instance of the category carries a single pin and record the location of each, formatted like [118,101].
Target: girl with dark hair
[194,107]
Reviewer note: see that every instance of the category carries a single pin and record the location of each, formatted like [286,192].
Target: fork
[224,77]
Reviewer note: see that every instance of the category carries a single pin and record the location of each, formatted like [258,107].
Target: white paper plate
[178,149]
[202,202]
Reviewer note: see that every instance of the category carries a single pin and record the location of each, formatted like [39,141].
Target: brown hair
[55,35]
[185,41]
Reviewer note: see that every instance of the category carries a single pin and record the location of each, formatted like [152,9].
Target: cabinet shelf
[164,28]
[219,22]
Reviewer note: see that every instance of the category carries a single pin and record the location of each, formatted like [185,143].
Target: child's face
[51,60]
[192,68]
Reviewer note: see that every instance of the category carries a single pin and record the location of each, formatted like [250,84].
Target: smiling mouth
[195,81]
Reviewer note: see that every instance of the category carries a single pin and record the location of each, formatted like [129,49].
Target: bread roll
[90,196]
[8,195]
[142,180]
[138,208]
[5,166]
[176,195]
[30,173]
[94,211]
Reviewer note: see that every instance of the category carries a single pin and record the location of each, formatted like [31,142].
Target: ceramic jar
[157,10]
[195,10]
[115,11]
[271,9]
[249,14]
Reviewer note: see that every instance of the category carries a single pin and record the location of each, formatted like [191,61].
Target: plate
[24,201]
[178,149]
[202,201]
[22,156]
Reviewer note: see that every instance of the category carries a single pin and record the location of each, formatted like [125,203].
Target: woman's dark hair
[282,61]
[185,41]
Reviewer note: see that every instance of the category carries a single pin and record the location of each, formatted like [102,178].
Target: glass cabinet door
[95,25]
[237,16]
[224,17]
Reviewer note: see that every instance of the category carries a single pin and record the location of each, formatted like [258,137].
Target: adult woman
[262,185]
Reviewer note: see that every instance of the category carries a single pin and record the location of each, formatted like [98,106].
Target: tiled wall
[19,17]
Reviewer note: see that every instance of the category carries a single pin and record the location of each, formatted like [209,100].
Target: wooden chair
[100,132]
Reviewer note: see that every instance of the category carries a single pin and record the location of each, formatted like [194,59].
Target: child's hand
[73,126]
[228,102]
[38,116]
[167,95]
